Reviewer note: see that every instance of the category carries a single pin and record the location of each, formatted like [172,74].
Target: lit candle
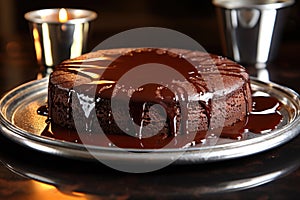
[63,15]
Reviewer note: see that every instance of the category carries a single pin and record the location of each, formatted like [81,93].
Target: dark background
[194,18]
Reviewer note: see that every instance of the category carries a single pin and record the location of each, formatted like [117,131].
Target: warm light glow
[62,15]
[47,44]
[48,192]
[265,34]
[76,48]
[37,45]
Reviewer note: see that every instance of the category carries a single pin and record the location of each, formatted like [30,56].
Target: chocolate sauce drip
[265,116]
[43,110]
[141,96]
[69,101]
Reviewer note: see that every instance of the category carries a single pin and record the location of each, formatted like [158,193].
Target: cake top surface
[195,75]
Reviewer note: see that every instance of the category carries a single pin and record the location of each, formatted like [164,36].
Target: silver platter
[20,123]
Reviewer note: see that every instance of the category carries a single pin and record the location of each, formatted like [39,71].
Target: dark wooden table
[28,174]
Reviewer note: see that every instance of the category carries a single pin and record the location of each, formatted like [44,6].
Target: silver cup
[58,34]
[251,29]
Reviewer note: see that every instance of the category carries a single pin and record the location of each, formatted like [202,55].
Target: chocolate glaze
[264,117]
[43,110]
[191,65]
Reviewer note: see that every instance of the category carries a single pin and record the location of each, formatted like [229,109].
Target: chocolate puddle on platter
[264,117]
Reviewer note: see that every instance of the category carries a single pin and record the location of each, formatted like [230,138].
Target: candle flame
[62,15]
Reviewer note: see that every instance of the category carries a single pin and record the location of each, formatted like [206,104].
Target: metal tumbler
[58,34]
[251,29]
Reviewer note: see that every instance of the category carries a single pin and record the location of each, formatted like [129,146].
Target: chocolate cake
[210,92]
